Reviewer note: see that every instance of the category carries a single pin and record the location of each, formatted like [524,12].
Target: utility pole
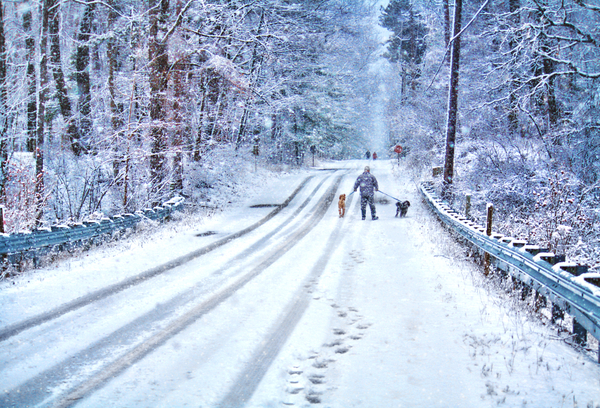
[452,100]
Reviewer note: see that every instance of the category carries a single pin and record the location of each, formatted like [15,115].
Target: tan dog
[342,205]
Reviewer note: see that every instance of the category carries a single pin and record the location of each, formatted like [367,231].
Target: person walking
[368,185]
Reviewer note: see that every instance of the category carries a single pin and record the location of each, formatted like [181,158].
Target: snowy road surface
[278,302]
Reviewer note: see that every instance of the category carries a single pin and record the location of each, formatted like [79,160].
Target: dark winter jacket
[368,184]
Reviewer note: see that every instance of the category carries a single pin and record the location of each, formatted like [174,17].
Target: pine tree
[407,44]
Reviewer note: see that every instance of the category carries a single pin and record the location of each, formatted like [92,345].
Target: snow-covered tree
[407,44]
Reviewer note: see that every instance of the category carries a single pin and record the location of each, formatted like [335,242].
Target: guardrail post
[540,301]
[468,205]
[580,333]
[488,231]
[557,313]
[525,291]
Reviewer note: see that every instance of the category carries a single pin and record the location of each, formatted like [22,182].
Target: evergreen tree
[407,44]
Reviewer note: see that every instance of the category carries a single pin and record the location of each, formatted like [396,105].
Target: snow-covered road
[267,306]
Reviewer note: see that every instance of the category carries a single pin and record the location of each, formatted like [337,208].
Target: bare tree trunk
[31,82]
[274,126]
[3,111]
[111,54]
[59,76]
[452,98]
[223,133]
[115,118]
[39,150]
[82,64]
[513,119]
[547,68]
[446,7]
[242,129]
[179,74]
[254,66]
[130,135]
[159,65]
[202,114]
[200,131]
[553,112]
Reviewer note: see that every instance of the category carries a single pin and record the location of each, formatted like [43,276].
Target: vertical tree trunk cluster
[254,63]
[121,103]
[72,133]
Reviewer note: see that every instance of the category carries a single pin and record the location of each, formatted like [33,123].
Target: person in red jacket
[374,156]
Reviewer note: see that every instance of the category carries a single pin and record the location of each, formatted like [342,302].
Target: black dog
[402,208]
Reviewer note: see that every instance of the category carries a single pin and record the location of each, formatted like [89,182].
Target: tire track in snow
[104,349]
[179,324]
[242,389]
[80,302]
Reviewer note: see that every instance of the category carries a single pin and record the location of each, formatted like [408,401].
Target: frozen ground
[305,310]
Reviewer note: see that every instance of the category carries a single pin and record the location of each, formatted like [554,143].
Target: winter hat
[367,168]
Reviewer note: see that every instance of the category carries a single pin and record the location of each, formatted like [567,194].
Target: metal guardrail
[567,285]
[14,245]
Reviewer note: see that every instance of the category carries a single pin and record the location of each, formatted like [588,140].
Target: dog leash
[389,195]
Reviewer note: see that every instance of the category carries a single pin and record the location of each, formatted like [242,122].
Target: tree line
[524,116]
[115,105]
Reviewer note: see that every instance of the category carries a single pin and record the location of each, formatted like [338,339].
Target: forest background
[112,106]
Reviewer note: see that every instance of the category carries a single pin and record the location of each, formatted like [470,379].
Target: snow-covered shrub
[19,209]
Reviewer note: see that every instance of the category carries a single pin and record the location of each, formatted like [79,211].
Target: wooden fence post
[488,231]
[580,333]
[468,205]
[490,213]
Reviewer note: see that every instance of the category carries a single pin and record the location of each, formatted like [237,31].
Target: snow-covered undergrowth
[522,309]
[217,185]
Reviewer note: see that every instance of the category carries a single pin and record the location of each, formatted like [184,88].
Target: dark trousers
[364,200]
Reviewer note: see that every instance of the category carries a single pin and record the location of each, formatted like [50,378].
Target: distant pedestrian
[374,155]
[368,155]
[368,185]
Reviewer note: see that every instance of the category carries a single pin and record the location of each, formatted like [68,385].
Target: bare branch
[178,20]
